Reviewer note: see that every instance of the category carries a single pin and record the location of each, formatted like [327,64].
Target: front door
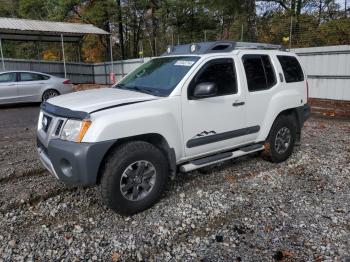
[218,122]
[8,88]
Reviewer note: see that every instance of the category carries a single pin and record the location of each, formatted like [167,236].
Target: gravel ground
[242,210]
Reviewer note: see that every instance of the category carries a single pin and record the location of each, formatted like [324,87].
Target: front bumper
[73,163]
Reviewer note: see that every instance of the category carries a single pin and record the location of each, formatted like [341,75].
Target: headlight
[75,130]
[40,120]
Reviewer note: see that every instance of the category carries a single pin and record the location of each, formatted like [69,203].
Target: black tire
[273,151]
[118,162]
[49,94]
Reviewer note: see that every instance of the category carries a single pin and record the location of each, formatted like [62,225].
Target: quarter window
[291,69]
[259,72]
[8,77]
[218,71]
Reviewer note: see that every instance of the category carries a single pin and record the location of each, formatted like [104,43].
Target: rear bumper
[73,163]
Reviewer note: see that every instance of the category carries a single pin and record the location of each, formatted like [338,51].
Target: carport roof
[35,30]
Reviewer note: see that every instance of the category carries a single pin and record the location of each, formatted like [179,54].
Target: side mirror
[204,90]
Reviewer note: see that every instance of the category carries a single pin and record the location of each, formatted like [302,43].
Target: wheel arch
[153,138]
[290,112]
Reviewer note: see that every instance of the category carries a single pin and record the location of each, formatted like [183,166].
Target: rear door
[261,80]
[30,86]
[8,88]
[293,74]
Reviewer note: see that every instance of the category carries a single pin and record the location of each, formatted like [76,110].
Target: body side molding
[221,136]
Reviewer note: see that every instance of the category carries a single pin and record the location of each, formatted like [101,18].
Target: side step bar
[206,161]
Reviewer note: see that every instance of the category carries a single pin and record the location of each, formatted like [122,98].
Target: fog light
[66,168]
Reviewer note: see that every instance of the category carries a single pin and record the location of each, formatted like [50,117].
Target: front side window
[218,71]
[291,69]
[159,76]
[8,77]
[259,72]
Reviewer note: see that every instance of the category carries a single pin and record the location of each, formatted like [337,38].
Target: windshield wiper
[119,86]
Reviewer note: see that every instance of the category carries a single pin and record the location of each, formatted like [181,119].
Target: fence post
[64,59]
[93,74]
[2,55]
[106,82]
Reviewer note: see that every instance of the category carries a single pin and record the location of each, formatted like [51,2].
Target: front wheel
[280,143]
[134,177]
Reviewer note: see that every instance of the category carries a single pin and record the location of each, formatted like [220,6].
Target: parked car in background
[28,86]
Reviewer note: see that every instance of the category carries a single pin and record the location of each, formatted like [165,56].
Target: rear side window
[32,77]
[291,69]
[218,71]
[259,72]
[8,77]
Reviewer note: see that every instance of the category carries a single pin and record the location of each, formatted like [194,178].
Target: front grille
[59,127]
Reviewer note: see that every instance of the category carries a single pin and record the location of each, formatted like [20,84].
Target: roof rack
[218,47]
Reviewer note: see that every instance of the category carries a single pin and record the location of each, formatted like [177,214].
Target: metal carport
[45,31]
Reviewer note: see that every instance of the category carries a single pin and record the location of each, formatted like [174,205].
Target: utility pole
[242,30]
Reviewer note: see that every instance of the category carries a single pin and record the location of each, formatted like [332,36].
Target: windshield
[158,76]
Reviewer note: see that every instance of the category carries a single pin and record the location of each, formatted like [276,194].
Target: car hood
[98,99]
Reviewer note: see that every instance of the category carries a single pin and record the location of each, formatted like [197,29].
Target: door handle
[238,104]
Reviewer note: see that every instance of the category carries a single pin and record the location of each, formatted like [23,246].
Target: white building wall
[328,70]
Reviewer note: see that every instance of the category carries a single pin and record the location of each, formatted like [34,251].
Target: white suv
[194,106]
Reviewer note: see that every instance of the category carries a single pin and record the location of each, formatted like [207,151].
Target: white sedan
[28,86]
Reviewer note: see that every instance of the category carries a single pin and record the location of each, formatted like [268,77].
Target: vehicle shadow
[19,105]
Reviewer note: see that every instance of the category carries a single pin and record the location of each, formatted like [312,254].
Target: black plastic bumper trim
[84,160]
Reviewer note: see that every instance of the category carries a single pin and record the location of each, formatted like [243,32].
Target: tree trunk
[120,29]
[297,18]
[154,31]
[251,20]
[319,12]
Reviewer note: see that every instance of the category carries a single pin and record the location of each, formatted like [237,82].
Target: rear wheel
[134,177]
[49,94]
[280,143]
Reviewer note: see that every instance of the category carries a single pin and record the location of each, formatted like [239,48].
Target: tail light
[67,82]
[307,91]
